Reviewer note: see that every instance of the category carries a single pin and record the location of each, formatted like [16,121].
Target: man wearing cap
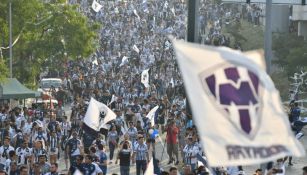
[140,155]
[4,152]
[74,148]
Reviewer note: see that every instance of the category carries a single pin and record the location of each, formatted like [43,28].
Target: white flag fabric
[136,14]
[150,168]
[151,115]
[173,83]
[166,5]
[235,105]
[145,78]
[96,6]
[77,172]
[113,99]
[124,61]
[95,62]
[135,48]
[93,115]
[173,11]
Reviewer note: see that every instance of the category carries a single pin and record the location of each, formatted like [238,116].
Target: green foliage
[291,52]
[249,36]
[3,70]
[50,34]
[281,82]
[234,30]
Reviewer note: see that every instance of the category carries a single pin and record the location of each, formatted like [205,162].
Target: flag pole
[268,35]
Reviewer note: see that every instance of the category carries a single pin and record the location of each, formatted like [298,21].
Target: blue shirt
[141,151]
[102,157]
[295,113]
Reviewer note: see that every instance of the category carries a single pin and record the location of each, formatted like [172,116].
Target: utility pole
[192,28]
[268,35]
[192,32]
[11,52]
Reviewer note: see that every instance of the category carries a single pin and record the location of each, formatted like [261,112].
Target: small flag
[237,90]
[97,115]
[151,115]
[95,62]
[172,82]
[165,4]
[113,99]
[136,14]
[116,10]
[135,48]
[124,61]
[145,78]
[173,11]
[96,6]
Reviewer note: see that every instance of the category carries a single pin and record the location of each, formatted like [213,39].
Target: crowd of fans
[34,141]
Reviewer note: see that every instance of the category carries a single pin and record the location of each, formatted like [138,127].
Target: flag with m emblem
[235,106]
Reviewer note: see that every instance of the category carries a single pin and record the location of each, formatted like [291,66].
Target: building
[299,19]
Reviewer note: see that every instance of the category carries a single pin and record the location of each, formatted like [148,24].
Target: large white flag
[235,105]
[151,115]
[95,111]
[145,78]
[96,6]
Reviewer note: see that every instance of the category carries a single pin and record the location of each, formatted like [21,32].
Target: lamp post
[11,52]
[268,35]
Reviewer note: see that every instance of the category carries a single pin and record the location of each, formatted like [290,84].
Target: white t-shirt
[282,167]
[97,169]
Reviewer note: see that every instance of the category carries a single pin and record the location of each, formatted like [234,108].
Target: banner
[236,107]
[97,115]
[96,6]
[145,78]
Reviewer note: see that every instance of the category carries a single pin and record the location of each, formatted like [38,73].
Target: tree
[49,34]
[291,52]
[3,70]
